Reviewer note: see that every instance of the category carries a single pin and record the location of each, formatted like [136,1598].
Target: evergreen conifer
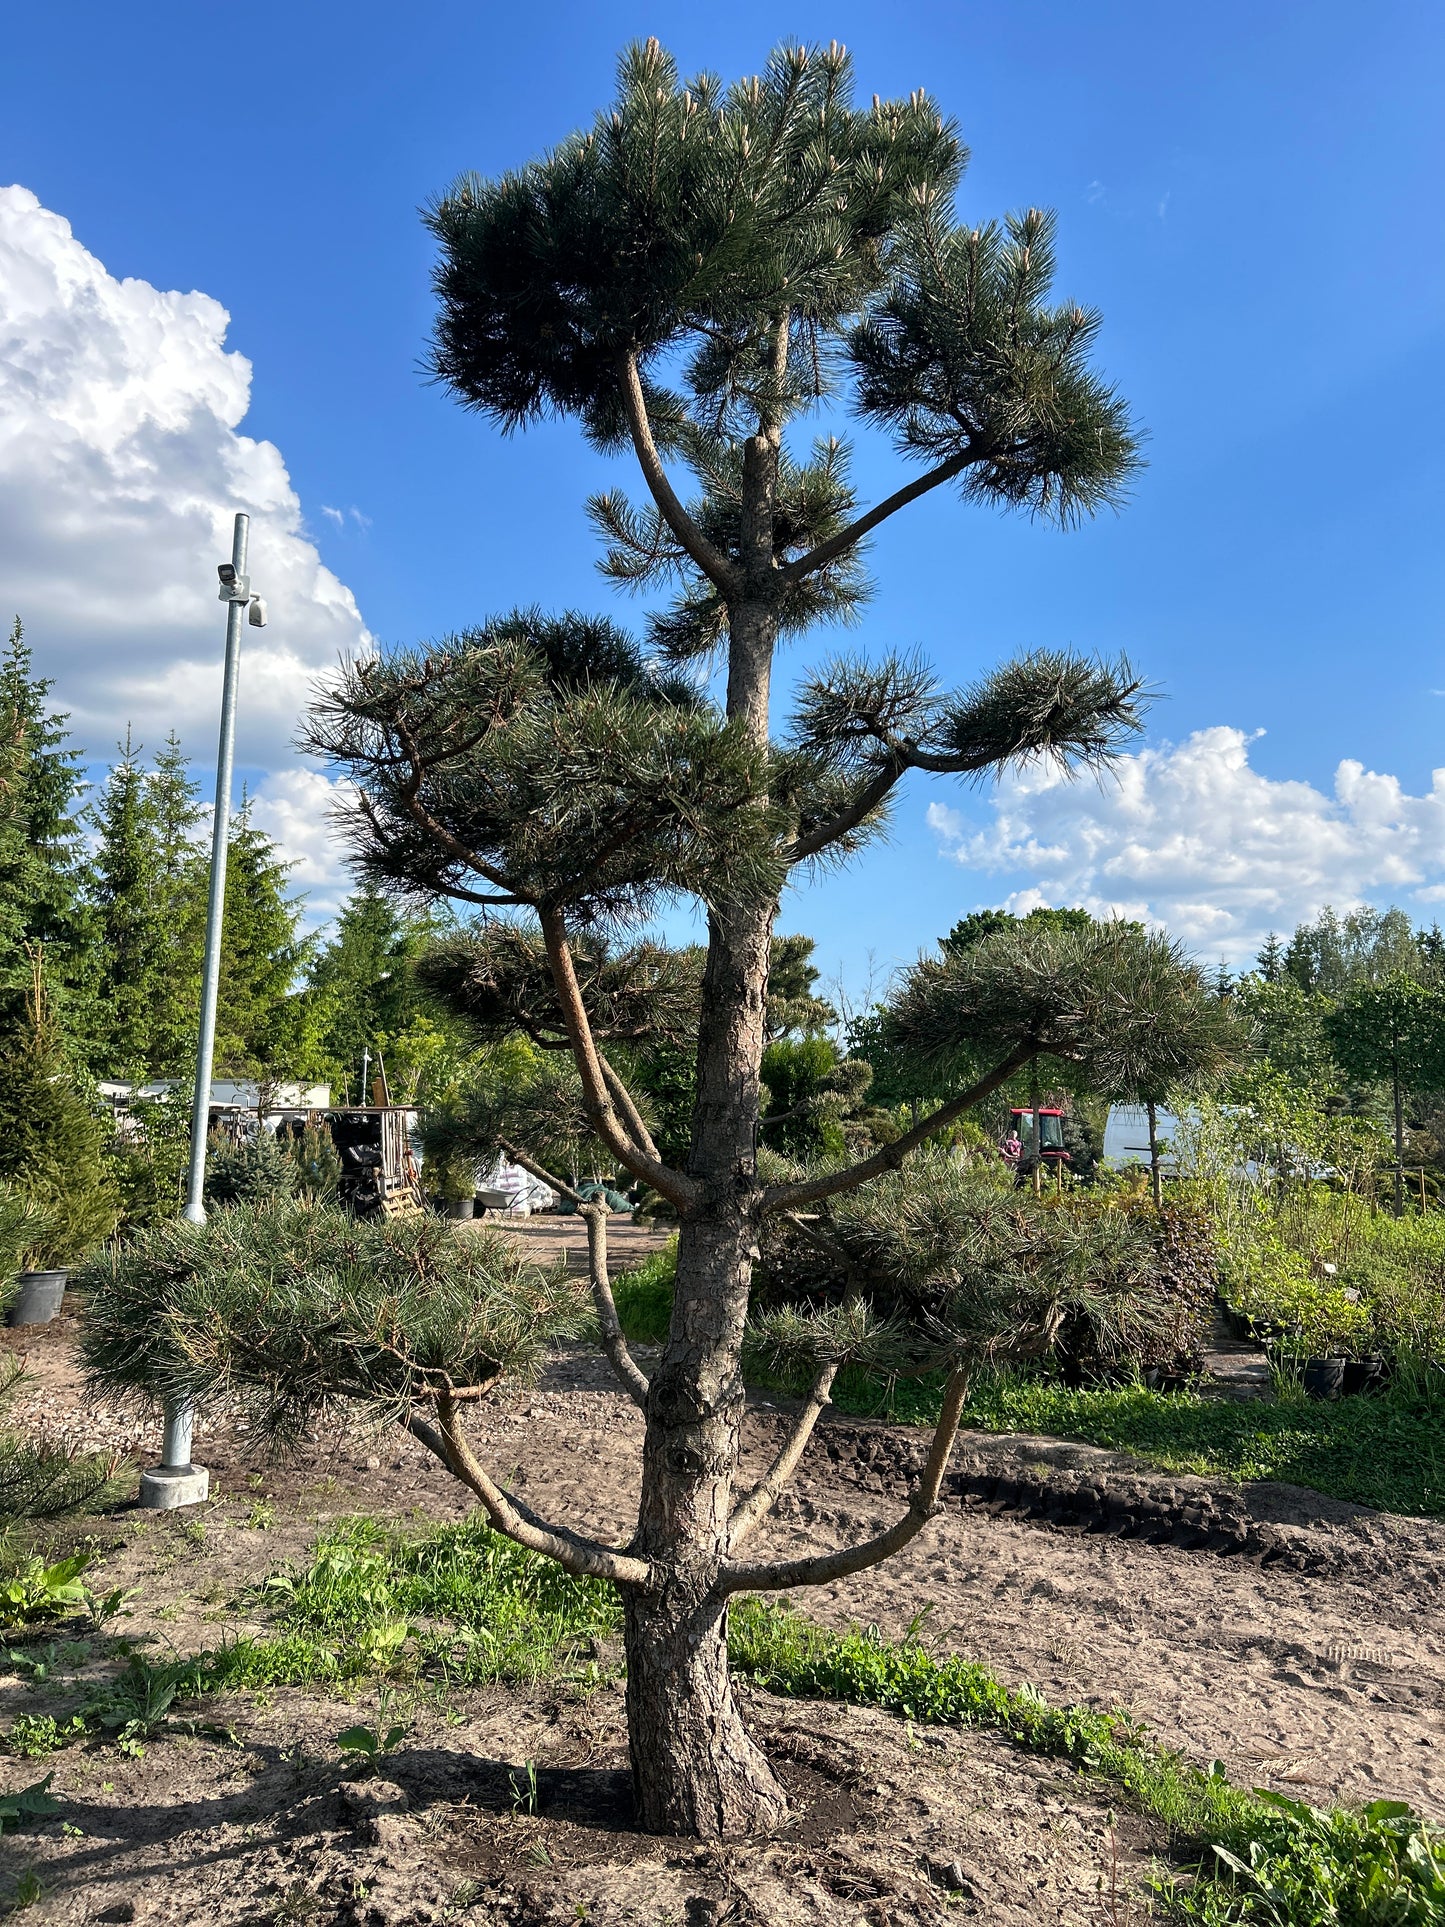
[52,1142]
[690,279]
[41,842]
[136,961]
[176,814]
[261,1023]
[363,988]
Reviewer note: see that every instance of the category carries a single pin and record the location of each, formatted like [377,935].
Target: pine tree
[135,920]
[690,280]
[793,1005]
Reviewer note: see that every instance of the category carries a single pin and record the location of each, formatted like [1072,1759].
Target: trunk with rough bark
[695,1770]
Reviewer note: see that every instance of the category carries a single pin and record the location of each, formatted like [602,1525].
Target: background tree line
[103,889]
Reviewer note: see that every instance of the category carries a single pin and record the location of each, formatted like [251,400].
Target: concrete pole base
[165,1487]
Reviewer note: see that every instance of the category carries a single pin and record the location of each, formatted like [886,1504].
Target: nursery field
[208,1743]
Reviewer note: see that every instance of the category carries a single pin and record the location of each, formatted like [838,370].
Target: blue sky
[1249,193]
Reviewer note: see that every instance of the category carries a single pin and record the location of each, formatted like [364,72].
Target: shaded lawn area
[1384,1452]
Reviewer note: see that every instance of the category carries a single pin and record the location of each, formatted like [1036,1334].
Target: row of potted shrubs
[1344,1327]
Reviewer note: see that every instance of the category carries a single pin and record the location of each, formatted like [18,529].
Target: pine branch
[714,565]
[849,538]
[625,1367]
[923,1505]
[601,1111]
[574,1552]
[789,1197]
[752,1510]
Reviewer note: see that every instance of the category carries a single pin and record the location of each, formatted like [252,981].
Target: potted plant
[61,1197]
[30,1290]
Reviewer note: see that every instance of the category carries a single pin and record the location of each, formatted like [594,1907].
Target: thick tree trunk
[695,1769]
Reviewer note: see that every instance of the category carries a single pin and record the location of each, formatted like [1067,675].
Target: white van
[1126,1136]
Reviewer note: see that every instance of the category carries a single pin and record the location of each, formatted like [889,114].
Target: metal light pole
[176,1481]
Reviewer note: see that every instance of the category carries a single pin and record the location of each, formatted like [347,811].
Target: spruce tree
[261,1020]
[41,844]
[52,1140]
[362,989]
[135,927]
[176,814]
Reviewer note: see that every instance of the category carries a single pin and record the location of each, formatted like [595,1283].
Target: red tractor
[1050,1146]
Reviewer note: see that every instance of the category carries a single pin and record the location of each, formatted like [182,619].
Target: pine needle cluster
[41,1478]
[1123,1004]
[955,1266]
[284,1310]
[542,761]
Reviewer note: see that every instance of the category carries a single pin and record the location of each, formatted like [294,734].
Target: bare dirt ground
[1296,1638]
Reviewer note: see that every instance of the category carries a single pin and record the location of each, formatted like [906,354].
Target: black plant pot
[1158,1378]
[1364,1376]
[462,1208]
[1324,1377]
[38,1298]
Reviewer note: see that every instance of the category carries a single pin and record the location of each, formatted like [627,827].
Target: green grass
[1387,1452]
[509,1614]
[1260,1859]
[643,1296]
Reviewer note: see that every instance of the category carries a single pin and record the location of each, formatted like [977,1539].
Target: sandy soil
[1296,1638]
[260,1821]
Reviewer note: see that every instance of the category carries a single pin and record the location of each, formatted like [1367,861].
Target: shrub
[1277,1286]
[258,1171]
[1099,1287]
[1337,1280]
[317,1161]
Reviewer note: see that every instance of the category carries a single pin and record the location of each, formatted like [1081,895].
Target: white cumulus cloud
[294,808]
[121,466]
[122,463]
[1192,837]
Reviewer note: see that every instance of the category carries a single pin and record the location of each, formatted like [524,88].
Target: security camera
[256,614]
[227,572]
